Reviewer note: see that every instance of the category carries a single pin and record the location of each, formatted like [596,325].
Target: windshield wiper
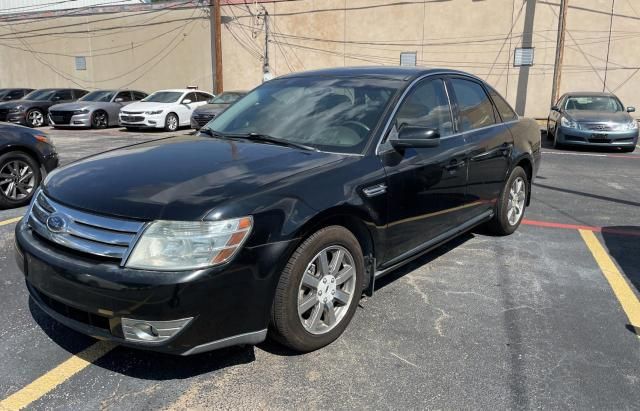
[212,133]
[274,140]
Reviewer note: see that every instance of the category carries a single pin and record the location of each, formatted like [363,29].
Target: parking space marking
[10,221]
[549,224]
[619,285]
[57,376]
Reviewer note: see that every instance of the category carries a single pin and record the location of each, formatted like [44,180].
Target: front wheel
[19,178]
[35,118]
[99,119]
[511,203]
[319,290]
[171,122]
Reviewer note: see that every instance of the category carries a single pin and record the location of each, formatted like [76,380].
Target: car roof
[386,72]
[589,94]
[182,90]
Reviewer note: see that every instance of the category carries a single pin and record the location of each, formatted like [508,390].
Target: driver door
[426,186]
[185,109]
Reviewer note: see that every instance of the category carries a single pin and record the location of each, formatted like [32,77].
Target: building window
[408,58]
[81,63]
[523,57]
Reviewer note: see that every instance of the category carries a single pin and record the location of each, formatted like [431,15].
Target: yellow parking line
[10,221]
[55,377]
[619,285]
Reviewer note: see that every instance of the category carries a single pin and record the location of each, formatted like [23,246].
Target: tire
[16,166]
[35,118]
[131,128]
[294,326]
[171,122]
[503,222]
[555,143]
[99,119]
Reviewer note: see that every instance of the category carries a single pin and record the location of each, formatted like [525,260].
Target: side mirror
[416,137]
[555,108]
[631,109]
[186,101]
[119,100]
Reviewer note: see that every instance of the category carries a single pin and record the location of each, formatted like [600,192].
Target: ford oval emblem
[57,223]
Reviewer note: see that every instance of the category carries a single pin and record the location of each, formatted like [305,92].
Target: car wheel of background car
[319,290]
[99,119]
[554,140]
[35,118]
[511,203]
[19,178]
[171,123]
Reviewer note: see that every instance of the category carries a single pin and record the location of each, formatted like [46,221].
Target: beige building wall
[475,36]
[144,49]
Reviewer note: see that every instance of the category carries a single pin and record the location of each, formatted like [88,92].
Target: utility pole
[266,70]
[217,22]
[557,68]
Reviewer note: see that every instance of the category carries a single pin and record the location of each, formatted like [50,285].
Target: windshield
[594,103]
[226,98]
[163,97]
[101,95]
[40,95]
[328,114]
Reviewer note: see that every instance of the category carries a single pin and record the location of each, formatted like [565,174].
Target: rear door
[425,186]
[489,143]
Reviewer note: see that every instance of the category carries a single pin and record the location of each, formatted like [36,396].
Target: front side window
[474,107]
[138,95]
[63,95]
[427,106]
[40,95]
[190,96]
[163,97]
[329,114]
[226,98]
[607,104]
[100,95]
[124,95]
[504,109]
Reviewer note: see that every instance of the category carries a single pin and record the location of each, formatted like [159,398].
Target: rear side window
[474,106]
[62,95]
[505,110]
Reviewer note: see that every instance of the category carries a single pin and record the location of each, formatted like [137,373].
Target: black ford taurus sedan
[592,119]
[280,214]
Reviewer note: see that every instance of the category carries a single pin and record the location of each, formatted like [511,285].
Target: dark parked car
[592,119]
[280,213]
[26,156]
[203,114]
[8,94]
[33,109]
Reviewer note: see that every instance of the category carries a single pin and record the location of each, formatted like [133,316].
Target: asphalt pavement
[531,320]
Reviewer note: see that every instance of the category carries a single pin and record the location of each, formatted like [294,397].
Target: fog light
[152,331]
[152,121]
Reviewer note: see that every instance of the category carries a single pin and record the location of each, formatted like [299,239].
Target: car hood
[179,178]
[211,108]
[79,105]
[147,106]
[599,116]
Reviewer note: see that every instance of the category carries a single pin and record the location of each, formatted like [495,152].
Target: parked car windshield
[594,103]
[163,97]
[329,114]
[40,95]
[226,98]
[100,95]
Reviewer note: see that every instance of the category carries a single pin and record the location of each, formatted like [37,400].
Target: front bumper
[16,118]
[566,135]
[76,120]
[199,120]
[229,305]
[142,120]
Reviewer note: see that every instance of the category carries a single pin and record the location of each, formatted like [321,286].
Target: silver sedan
[98,109]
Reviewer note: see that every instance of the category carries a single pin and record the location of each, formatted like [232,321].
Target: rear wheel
[319,290]
[511,203]
[171,123]
[99,119]
[19,178]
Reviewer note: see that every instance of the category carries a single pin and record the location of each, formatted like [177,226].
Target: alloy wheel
[326,289]
[100,119]
[17,180]
[517,197]
[172,123]
[35,118]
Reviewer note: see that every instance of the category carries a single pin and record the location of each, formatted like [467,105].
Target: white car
[168,109]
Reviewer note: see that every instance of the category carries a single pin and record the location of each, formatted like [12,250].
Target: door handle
[505,148]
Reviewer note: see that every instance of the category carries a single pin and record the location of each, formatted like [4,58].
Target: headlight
[632,125]
[565,122]
[83,111]
[188,245]
[16,109]
[153,112]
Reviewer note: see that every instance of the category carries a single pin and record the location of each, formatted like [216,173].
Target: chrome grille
[597,126]
[82,231]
